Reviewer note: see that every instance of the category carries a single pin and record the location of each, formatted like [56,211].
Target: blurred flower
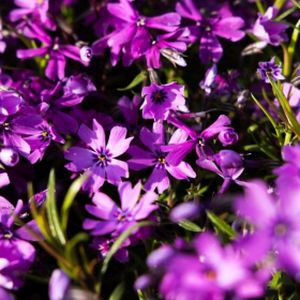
[58,285]
[185,211]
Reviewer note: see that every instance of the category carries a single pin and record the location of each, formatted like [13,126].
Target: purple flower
[288,173]
[169,45]
[228,137]
[103,245]
[9,157]
[86,54]
[16,255]
[292,93]
[56,65]
[160,99]
[16,258]
[209,29]
[39,137]
[36,7]
[276,220]
[198,141]
[114,219]
[268,30]
[185,211]
[131,35]
[10,102]
[226,163]
[99,158]
[58,285]
[66,93]
[2,43]
[130,110]
[269,69]
[159,159]
[208,82]
[210,272]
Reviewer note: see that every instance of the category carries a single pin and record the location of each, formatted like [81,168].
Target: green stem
[260,6]
[287,138]
[287,63]
[293,43]
[279,3]
[271,119]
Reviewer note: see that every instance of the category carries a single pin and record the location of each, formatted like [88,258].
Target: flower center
[201,142]
[5,126]
[280,229]
[141,22]
[103,158]
[8,235]
[210,274]
[162,160]
[159,96]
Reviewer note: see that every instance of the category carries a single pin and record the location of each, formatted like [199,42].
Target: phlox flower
[98,158]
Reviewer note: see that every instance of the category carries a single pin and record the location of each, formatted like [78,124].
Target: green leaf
[118,292]
[221,225]
[52,213]
[136,81]
[284,103]
[70,248]
[119,241]
[275,283]
[190,226]
[69,199]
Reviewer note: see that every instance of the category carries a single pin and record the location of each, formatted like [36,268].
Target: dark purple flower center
[159,96]
[103,158]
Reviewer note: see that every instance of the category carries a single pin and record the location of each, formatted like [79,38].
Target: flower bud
[86,54]
[228,137]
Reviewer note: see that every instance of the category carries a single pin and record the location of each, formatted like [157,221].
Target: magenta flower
[131,31]
[198,141]
[268,30]
[114,219]
[226,163]
[98,158]
[38,8]
[57,57]
[160,99]
[169,45]
[288,173]
[209,29]
[158,159]
[208,271]
[276,221]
